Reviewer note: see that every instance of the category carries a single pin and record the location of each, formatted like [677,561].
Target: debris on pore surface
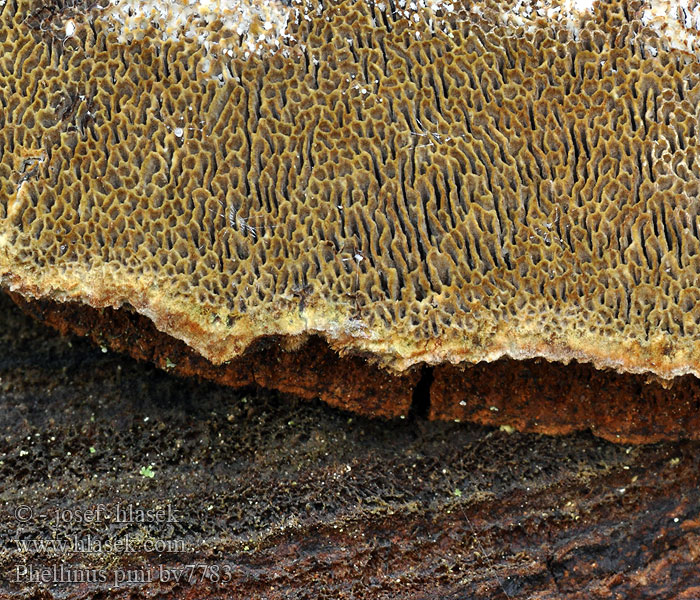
[409,185]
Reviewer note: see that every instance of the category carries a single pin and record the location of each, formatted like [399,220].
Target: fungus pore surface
[416,182]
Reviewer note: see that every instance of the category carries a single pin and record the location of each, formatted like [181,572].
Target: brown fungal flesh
[528,395]
[426,184]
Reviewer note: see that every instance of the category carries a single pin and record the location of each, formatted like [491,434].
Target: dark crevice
[552,572]
[420,405]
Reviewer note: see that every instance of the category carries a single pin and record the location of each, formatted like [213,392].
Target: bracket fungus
[342,198]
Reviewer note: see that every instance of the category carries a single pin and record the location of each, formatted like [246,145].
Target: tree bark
[271,497]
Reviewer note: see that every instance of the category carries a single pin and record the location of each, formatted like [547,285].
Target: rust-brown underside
[531,395]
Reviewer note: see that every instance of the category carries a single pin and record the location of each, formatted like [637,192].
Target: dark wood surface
[278,498]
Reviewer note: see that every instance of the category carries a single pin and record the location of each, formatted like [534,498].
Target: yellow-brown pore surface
[430,185]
